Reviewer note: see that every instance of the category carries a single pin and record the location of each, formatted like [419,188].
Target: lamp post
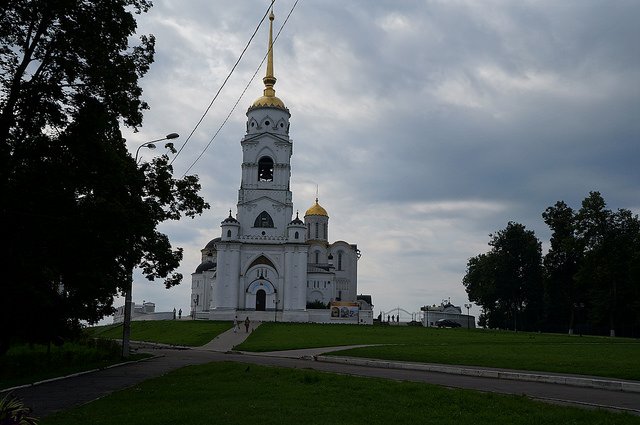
[126,328]
[151,143]
[468,317]
[275,310]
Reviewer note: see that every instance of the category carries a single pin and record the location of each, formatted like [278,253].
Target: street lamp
[151,143]
[468,317]
[126,328]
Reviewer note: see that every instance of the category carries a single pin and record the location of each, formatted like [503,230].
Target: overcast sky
[427,125]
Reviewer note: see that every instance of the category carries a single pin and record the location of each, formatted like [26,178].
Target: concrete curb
[73,375]
[576,381]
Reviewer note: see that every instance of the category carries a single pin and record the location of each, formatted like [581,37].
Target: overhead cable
[243,92]
[223,84]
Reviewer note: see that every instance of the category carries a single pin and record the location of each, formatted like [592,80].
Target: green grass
[191,333]
[233,393]
[608,357]
[24,364]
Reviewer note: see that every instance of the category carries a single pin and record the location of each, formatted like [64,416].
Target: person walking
[235,325]
[179,314]
[247,322]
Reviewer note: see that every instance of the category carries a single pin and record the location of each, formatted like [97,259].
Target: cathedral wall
[295,277]
[225,296]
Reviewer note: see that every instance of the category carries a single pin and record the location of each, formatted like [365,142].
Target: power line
[243,92]
[223,84]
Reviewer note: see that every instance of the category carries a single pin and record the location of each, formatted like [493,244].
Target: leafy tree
[611,243]
[507,281]
[78,214]
[560,265]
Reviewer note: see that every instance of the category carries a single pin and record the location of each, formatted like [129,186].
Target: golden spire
[269,79]
[269,97]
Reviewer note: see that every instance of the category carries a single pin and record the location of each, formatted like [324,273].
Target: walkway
[229,339]
[50,397]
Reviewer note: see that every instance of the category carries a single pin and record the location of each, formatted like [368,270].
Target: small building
[446,310]
[144,311]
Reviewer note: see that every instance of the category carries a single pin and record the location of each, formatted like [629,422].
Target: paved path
[229,339]
[58,395]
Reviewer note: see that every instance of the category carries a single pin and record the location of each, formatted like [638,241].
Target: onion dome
[297,220]
[206,265]
[269,98]
[316,209]
[230,219]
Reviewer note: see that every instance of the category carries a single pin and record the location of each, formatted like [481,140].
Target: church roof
[230,219]
[206,265]
[316,209]
[296,220]
[212,243]
[269,98]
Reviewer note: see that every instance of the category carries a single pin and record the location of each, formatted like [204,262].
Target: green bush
[319,305]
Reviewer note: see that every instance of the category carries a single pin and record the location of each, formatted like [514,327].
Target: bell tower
[265,203]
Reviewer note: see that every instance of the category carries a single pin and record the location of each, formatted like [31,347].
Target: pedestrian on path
[174,313]
[247,322]
[235,325]
[180,314]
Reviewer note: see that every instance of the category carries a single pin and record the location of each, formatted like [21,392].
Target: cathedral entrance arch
[260,294]
[261,300]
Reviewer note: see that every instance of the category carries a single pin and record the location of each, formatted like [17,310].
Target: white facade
[446,310]
[266,264]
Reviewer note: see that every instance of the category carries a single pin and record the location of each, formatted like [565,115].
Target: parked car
[446,323]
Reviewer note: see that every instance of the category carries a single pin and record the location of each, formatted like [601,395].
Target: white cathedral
[268,265]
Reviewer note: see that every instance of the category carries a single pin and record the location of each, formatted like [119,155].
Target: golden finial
[269,79]
[269,99]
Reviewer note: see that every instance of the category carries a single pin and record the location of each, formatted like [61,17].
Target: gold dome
[271,101]
[316,209]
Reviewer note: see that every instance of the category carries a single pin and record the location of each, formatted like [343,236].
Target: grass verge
[24,364]
[599,356]
[191,333]
[233,393]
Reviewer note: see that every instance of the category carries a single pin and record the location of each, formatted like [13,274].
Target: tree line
[588,281]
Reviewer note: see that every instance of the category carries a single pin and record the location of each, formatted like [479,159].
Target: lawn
[599,356]
[25,364]
[191,333]
[234,393]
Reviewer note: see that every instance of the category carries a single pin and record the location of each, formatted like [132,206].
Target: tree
[611,243]
[78,214]
[560,266]
[507,281]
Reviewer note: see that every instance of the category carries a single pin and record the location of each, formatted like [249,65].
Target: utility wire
[223,84]
[243,91]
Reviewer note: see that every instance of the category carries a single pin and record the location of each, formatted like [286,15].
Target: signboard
[344,311]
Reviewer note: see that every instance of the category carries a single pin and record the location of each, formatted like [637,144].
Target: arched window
[296,235]
[326,236]
[317,257]
[265,169]
[308,230]
[263,220]
[339,260]
[317,226]
[228,233]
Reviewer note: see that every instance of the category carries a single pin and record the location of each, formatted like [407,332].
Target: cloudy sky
[425,124]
